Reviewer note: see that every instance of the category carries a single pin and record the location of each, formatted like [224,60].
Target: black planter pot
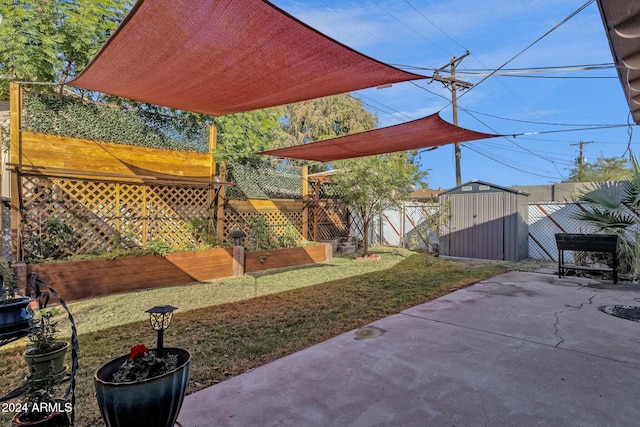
[53,419]
[154,402]
[15,317]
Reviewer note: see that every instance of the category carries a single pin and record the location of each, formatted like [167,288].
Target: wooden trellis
[112,215]
[331,218]
[109,195]
[282,216]
[329,215]
[120,196]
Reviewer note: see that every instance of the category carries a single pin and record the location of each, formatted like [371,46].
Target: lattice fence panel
[171,208]
[110,215]
[131,217]
[328,213]
[45,199]
[279,222]
[332,217]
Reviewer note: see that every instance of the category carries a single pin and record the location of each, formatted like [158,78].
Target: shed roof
[476,186]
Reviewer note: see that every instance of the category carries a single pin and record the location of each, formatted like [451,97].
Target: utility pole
[580,159]
[452,84]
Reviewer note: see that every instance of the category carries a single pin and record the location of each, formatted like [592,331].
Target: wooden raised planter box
[278,258]
[76,280]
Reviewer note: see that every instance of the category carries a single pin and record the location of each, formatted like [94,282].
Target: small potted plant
[46,354]
[145,388]
[38,407]
[15,312]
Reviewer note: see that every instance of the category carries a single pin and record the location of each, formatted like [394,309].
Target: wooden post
[305,206]
[118,220]
[146,194]
[238,261]
[221,196]
[20,269]
[316,209]
[213,143]
[15,126]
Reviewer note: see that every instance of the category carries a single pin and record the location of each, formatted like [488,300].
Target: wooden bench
[607,243]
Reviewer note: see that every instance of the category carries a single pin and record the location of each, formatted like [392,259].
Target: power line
[499,146]
[565,20]
[510,166]
[569,130]
[538,123]
[524,76]
[434,25]
[480,72]
[409,27]
[518,145]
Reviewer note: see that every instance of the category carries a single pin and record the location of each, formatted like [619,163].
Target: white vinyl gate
[405,227]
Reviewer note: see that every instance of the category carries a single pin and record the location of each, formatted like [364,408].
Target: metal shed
[486,221]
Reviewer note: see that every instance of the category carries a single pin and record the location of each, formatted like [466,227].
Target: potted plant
[46,354]
[38,407]
[15,312]
[141,389]
[145,388]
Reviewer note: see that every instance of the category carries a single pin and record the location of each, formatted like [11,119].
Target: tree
[51,40]
[375,183]
[319,119]
[241,135]
[616,210]
[604,169]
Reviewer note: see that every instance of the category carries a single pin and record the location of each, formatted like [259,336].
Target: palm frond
[632,190]
[605,197]
[603,219]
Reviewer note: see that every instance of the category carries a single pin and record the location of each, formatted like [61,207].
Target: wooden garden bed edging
[97,277]
[278,258]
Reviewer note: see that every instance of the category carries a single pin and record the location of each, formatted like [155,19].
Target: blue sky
[429,34]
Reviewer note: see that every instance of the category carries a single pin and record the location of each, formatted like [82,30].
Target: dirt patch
[370,257]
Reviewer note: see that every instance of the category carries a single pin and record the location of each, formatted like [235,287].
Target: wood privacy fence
[115,196]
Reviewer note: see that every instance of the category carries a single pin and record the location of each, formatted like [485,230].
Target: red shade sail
[226,56]
[429,131]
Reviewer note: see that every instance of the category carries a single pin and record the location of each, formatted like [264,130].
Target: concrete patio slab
[520,349]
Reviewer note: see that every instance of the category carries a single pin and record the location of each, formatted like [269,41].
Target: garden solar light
[160,317]
[237,237]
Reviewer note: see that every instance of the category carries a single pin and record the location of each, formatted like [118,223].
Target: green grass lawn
[233,325]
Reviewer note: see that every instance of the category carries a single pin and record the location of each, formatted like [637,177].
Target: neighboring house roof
[426,194]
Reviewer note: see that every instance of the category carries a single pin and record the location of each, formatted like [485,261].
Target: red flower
[138,350]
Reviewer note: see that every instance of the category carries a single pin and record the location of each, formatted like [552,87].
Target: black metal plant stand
[42,293]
